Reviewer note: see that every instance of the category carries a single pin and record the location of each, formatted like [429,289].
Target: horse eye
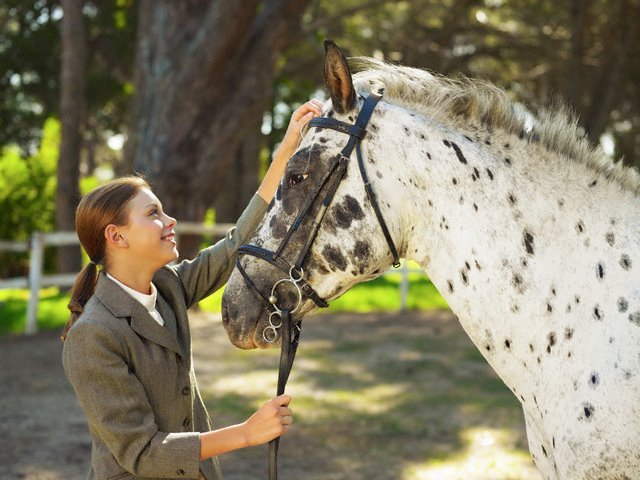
[297,178]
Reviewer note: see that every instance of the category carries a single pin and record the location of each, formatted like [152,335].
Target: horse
[528,232]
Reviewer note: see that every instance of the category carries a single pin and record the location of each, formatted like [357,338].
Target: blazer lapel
[123,305]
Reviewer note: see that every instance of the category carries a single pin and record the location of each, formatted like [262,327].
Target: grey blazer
[134,378]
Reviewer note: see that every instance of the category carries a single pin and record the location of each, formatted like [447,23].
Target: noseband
[280,316]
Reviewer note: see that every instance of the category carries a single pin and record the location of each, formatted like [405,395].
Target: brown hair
[105,205]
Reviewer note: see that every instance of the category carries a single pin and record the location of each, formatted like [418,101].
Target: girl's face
[150,235]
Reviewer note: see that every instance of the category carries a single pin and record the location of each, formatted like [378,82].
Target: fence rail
[39,240]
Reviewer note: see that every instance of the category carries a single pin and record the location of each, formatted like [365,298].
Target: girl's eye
[297,178]
[153,212]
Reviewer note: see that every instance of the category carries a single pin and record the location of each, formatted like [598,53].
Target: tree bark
[72,108]
[204,75]
[607,89]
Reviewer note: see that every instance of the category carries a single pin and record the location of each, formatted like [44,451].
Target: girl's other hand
[273,419]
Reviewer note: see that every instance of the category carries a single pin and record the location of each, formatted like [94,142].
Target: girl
[127,347]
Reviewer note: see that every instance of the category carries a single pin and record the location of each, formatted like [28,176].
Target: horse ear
[337,77]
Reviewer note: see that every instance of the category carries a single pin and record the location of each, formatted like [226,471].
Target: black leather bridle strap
[290,340]
[376,208]
[355,141]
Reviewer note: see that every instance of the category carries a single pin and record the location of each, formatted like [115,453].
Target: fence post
[404,285]
[35,276]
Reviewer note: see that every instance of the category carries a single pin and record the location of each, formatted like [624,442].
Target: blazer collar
[123,305]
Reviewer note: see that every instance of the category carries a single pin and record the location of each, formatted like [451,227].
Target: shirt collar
[147,301]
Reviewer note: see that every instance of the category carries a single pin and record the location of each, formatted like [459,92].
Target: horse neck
[506,228]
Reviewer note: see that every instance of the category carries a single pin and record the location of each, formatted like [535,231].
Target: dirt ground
[377,396]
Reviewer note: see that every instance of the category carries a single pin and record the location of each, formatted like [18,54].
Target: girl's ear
[114,236]
[337,77]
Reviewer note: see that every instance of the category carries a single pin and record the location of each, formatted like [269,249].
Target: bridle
[279,316]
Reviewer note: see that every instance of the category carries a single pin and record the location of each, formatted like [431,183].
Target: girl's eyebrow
[156,205]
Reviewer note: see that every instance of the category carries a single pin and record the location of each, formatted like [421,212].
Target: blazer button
[186,391]
[180,472]
[186,422]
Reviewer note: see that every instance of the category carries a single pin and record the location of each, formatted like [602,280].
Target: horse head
[322,222]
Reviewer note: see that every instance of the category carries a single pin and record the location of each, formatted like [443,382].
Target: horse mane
[461,98]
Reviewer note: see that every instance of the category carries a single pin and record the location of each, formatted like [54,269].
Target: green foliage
[52,310]
[27,194]
[381,294]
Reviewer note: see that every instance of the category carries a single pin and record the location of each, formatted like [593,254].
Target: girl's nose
[170,221]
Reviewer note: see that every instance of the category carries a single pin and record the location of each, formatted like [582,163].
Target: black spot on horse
[507,344]
[598,313]
[594,380]
[490,174]
[610,238]
[450,284]
[468,138]
[278,228]
[623,305]
[334,257]
[459,153]
[346,212]
[528,242]
[552,341]
[600,271]
[446,143]
[323,139]
[361,252]
[593,184]
[588,410]
[580,226]
[512,199]
[465,279]
[507,161]
[625,262]
[635,318]
[568,333]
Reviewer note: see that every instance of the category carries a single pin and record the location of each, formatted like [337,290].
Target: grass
[382,396]
[381,294]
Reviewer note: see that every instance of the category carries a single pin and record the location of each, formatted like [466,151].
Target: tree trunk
[72,107]
[241,180]
[204,75]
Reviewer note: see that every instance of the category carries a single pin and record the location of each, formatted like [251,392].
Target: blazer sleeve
[211,268]
[117,408]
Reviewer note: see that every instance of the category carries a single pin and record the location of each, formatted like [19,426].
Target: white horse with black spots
[531,236]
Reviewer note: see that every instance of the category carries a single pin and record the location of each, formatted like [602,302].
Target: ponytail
[108,204]
[81,291]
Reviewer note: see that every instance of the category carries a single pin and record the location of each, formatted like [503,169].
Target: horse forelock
[463,101]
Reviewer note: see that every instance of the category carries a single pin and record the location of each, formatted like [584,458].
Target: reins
[280,318]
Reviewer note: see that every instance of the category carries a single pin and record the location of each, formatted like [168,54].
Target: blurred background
[196,94]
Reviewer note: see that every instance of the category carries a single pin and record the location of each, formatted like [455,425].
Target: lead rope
[290,341]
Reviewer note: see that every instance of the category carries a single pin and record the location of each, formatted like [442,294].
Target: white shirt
[147,301]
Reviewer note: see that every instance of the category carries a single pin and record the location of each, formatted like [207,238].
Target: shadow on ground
[376,396]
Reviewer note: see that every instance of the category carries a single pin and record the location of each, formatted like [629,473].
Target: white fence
[39,240]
